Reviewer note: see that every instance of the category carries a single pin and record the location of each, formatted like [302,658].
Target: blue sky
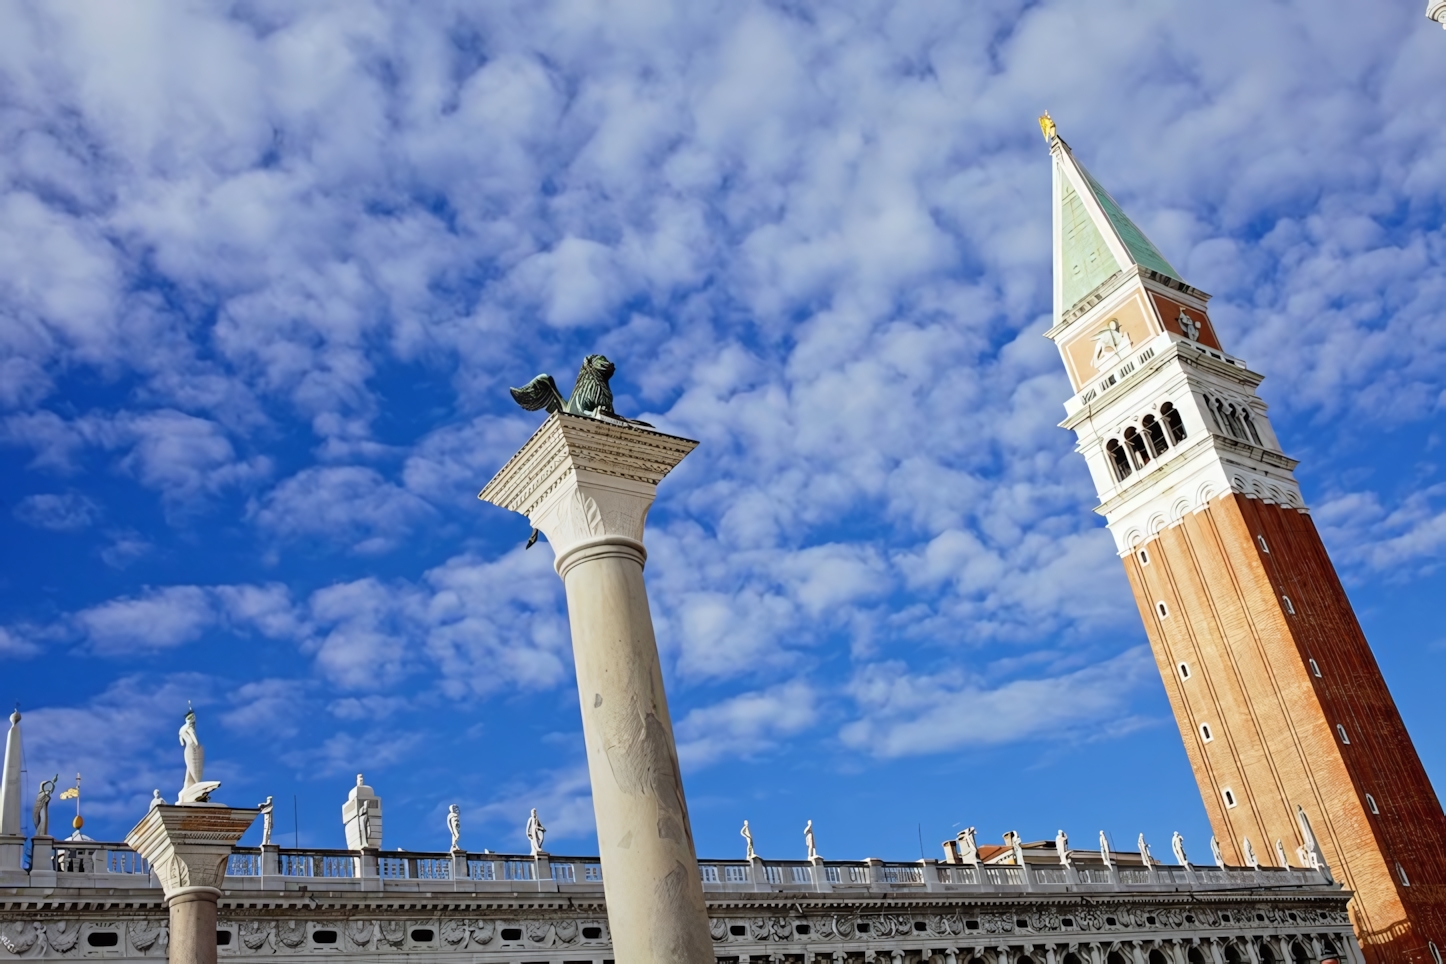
[267,269]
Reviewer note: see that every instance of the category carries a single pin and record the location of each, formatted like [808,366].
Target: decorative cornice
[565,443]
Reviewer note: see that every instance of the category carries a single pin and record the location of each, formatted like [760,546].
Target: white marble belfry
[12,843]
[587,484]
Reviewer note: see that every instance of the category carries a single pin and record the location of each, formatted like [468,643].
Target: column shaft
[645,842]
[193,926]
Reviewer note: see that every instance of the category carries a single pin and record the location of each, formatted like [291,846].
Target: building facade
[1285,716]
[86,900]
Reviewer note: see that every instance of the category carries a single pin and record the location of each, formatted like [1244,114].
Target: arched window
[1371,803]
[1157,957]
[1263,547]
[1195,956]
[1298,953]
[1138,451]
[1155,432]
[1341,732]
[1263,951]
[1232,420]
[1401,872]
[1184,670]
[1119,459]
[1115,957]
[1173,422]
[1233,955]
[1071,958]
[1289,606]
[1250,426]
[1205,733]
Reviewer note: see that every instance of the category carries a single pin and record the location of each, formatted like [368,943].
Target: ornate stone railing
[89,863]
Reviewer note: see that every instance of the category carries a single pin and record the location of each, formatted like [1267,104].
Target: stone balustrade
[93,864]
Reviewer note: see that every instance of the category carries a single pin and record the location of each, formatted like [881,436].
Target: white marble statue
[454,825]
[196,788]
[1145,856]
[364,822]
[156,799]
[535,832]
[268,820]
[1250,856]
[1280,854]
[1013,842]
[968,846]
[1177,844]
[1061,847]
[40,816]
[1215,852]
[748,836]
[1105,849]
[808,841]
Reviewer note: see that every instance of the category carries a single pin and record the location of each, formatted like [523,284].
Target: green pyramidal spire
[1095,238]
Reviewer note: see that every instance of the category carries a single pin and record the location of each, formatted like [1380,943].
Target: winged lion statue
[591,396]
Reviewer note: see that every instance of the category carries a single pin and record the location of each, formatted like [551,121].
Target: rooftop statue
[535,830]
[195,789]
[591,396]
[748,836]
[454,825]
[41,813]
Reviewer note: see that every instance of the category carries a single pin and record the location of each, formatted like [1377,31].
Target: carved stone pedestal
[187,847]
[587,485]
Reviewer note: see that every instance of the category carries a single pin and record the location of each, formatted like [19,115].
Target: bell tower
[1288,724]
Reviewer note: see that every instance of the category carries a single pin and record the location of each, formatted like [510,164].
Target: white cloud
[910,714]
[58,512]
[563,799]
[348,504]
[157,619]
[745,725]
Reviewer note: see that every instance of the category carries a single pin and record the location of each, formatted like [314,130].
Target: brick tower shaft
[1299,751]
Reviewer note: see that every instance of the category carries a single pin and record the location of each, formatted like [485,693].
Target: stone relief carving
[453,932]
[254,934]
[145,935]
[18,937]
[62,935]
[391,932]
[291,932]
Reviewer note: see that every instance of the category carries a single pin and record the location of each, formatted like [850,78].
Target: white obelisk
[587,485]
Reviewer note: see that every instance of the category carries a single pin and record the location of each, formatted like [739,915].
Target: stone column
[587,485]
[187,846]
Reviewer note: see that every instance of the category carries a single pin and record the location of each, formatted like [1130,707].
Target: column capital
[586,482]
[187,844]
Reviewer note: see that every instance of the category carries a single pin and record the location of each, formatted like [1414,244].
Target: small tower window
[1229,796]
[1371,804]
[1205,733]
[1435,952]
[1184,670]
[1144,558]
[1341,731]
[1138,450]
[1119,459]
[1401,872]
[1162,609]
[1289,606]
[1214,415]
[1173,422]
[1315,669]
[1263,547]
[1155,432]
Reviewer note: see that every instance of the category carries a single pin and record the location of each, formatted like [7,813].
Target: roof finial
[1046,127]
